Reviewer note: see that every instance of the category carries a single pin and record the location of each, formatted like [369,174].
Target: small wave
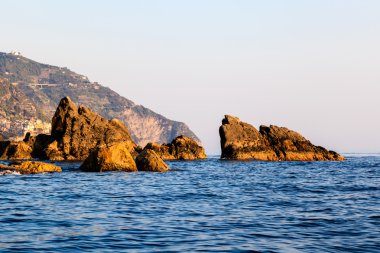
[9,172]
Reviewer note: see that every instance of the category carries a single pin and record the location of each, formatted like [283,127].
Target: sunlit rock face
[241,141]
[77,130]
[29,167]
[114,157]
[148,160]
[181,148]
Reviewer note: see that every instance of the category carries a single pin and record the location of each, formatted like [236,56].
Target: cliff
[30,92]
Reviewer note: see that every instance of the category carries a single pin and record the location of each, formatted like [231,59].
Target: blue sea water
[209,205]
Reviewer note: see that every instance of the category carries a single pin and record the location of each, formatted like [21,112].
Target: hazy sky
[313,66]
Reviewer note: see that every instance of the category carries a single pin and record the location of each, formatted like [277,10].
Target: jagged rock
[15,150]
[148,160]
[52,153]
[75,131]
[38,144]
[30,168]
[115,157]
[181,148]
[78,130]
[163,151]
[242,141]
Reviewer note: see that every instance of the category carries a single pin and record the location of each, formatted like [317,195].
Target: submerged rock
[242,141]
[148,160]
[115,157]
[30,167]
[181,148]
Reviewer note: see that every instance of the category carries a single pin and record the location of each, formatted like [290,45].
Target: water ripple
[204,206]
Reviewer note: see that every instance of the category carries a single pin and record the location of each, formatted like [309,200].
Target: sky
[312,66]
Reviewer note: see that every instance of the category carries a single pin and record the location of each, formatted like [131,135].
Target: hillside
[30,92]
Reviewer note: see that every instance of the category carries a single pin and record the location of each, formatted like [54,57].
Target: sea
[210,205]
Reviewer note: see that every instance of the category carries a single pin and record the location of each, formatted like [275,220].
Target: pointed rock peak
[79,130]
[66,103]
[228,119]
[65,107]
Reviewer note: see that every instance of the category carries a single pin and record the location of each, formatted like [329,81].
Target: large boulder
[77,130]
[17,150]
[148,160]
[115,157]
[181,148]
[30,168]
[242,141]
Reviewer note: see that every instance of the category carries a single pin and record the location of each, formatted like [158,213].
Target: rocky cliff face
[241,141]
[30,92]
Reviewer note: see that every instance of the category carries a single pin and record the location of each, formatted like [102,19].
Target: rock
[75,131]
[6,170]
[1,137]
[110,158]
[52,153]
[38,144]
[181,148]
[148,160]
[30,168]
[78,130]
[164,151]
[185,148]
[242,141]
[18,150]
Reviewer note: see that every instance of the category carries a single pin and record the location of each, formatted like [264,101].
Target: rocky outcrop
[181,148]
[77,130]
[15,150]
[115,157]
[148,160]
[242,141]
[29,168]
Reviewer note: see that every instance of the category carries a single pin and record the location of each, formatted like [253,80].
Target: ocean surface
[207,206]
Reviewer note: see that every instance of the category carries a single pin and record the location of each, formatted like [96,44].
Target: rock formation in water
[114,157]
[242,141]
[77,130]
[181,148]
[29,168]
[148,160]
[15,150]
